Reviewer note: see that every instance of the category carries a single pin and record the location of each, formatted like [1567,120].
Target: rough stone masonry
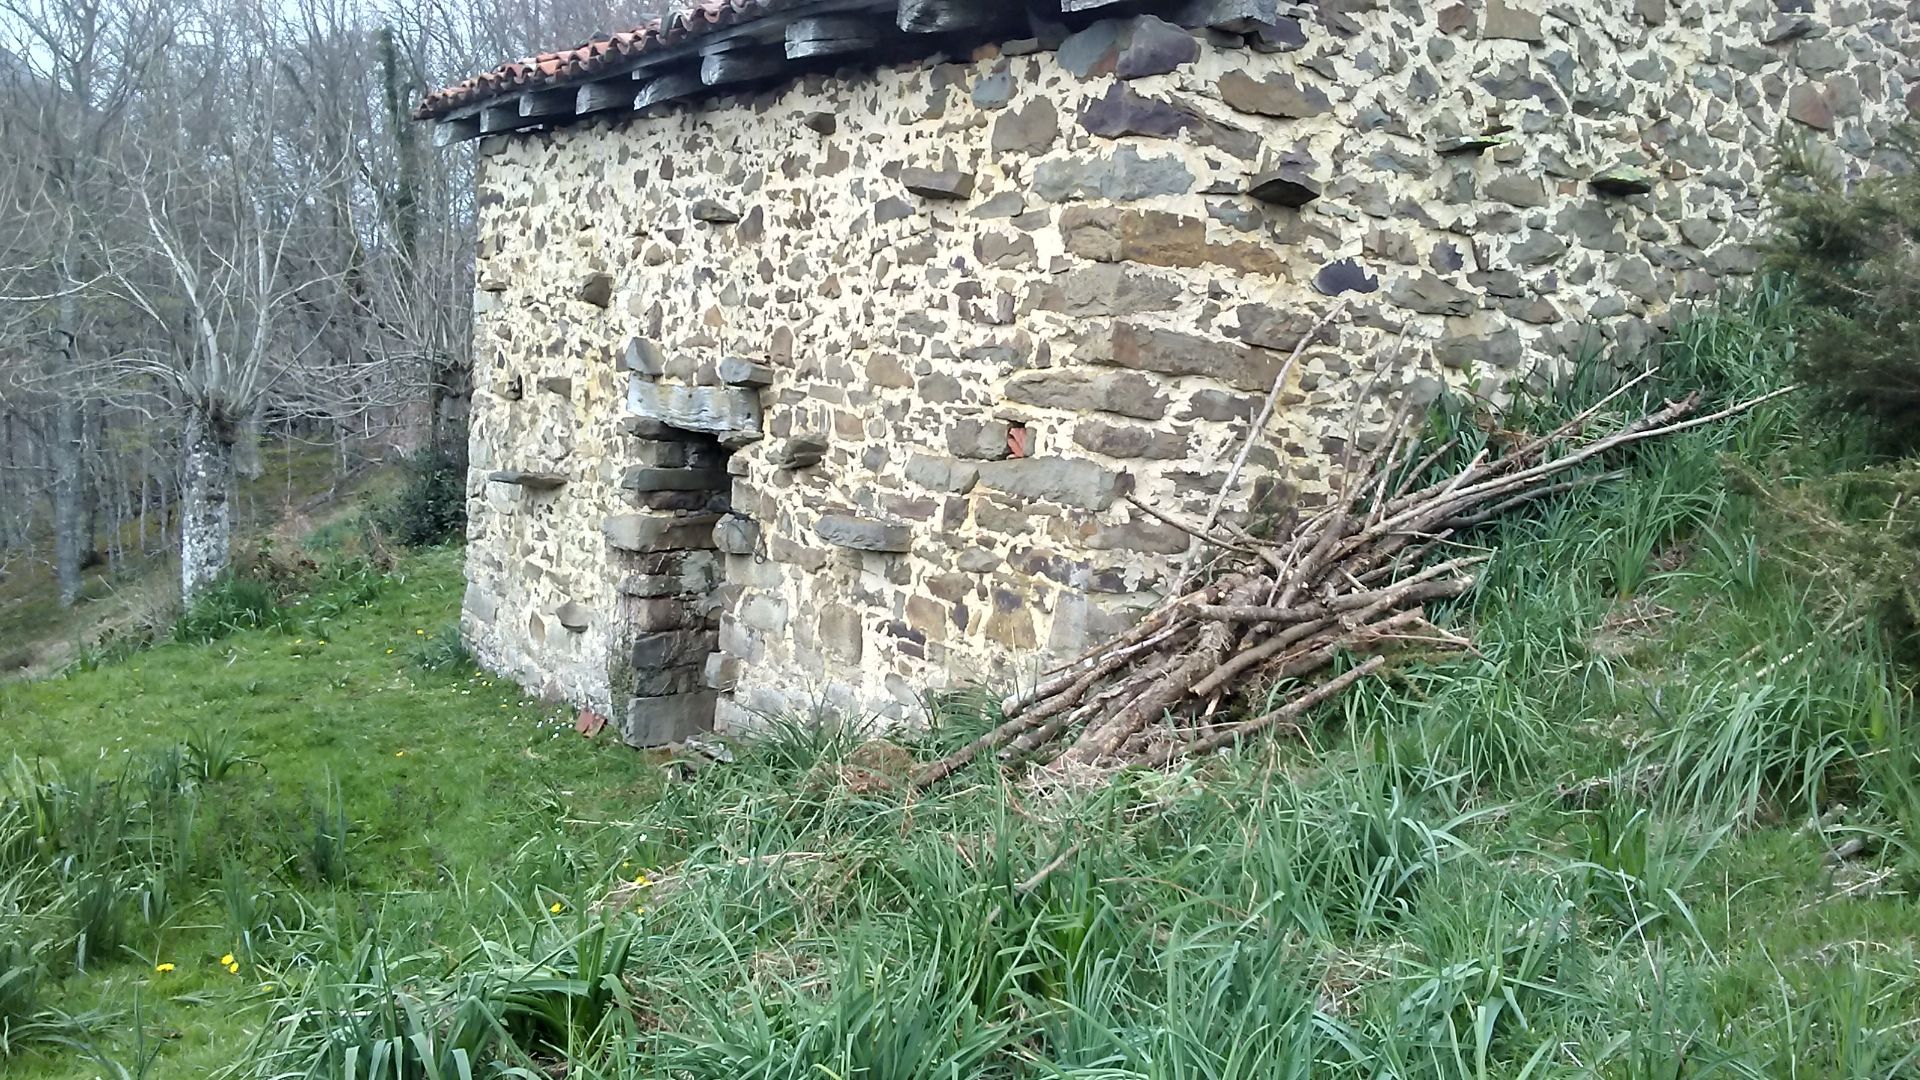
[831,392]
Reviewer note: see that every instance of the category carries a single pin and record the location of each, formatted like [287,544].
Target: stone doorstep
[658,721]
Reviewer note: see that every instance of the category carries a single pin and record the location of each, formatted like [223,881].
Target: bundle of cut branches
[1279,613]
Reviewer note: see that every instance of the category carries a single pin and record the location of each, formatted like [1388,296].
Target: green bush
[1853,250]
[231,604]
[430,507]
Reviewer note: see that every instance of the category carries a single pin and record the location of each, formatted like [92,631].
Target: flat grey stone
[1066,481]
[532,481]
[942,474]
[596,289]
[651,478]
[660,721]
[660,532]
[671,648]
[801,452]
[1123,175]
[736,535]
[863,534]
[938,183]
[713,212]
[573,616]
[642,357]
[740,371]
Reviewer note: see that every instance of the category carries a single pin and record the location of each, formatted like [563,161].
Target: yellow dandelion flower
[299,641]
[643,881]
[399,753]
[556,907]
[266,988]
[389,652]
[227,959]
[323,641]
[420,632]
[163,968]
[233,969]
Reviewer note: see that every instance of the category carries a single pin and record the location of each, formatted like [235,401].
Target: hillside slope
[1662,825]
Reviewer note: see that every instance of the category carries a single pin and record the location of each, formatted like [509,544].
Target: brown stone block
[1129,440]
[841,633]
[660,532]
[1172,352]
[672,648]
[664,613]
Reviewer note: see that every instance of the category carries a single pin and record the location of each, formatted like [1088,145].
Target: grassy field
[1662,825]
[37,635]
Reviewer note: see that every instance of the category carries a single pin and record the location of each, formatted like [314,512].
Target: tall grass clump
[229,605]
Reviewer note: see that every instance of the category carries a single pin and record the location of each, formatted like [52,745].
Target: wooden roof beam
[832,35]
[500,116]
[667,88]
[538,105]
[604,96]
[448,132]
[940,16]
[740,65]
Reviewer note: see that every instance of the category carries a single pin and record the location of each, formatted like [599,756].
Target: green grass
[440,776]
[1583,851]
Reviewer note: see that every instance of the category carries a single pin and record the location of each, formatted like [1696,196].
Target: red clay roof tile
[702,16]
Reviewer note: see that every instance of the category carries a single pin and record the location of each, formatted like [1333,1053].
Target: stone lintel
[727,411]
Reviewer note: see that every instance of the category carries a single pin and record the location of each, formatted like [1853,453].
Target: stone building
[828,351]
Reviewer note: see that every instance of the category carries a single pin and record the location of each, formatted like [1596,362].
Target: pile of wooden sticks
[1275,614]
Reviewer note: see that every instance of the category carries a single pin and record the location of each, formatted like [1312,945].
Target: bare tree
[216,214]
[75,68]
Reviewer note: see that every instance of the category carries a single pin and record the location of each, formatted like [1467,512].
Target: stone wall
[935,323]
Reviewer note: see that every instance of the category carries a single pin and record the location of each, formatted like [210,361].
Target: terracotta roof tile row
[700,17]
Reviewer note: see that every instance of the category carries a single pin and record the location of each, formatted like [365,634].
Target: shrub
[231,604]
[431,506]
[1854,252]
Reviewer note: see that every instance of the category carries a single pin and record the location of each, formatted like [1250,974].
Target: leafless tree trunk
[206,516]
